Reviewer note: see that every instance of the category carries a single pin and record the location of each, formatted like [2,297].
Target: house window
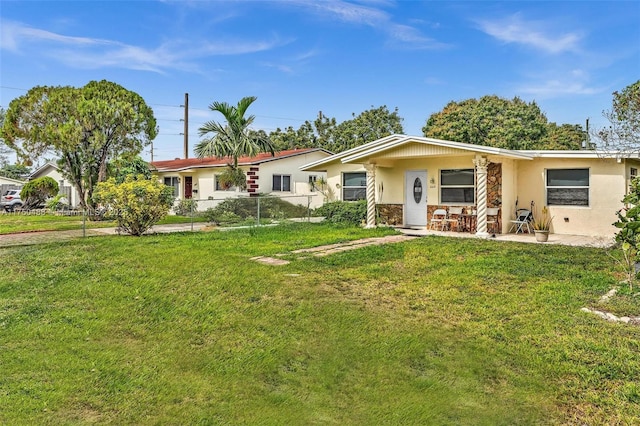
[633,172]
[220,187]
[281,183]
[312,182]
[174,182]
[354,186]
[568,187]
[457,186]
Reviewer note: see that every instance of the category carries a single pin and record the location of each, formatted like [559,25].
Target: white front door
[415,198]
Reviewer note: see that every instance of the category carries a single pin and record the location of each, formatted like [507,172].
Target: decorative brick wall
[494,185]
[390,214]
[252,181]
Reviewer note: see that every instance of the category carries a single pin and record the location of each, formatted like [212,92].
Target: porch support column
[481,164]
[371,195]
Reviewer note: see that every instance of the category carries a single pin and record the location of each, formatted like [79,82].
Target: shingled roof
[199,163]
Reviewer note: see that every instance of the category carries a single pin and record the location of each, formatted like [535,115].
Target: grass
[434,331]
[15,223]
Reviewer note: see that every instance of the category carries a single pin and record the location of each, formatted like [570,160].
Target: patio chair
[522,220]
[438,218]
[453,219]
[493,219]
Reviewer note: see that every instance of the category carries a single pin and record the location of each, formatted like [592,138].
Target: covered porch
[409,181]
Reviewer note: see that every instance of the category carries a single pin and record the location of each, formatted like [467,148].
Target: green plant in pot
[541,225]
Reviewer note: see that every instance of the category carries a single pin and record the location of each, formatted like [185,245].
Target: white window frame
[312,182]
[280,178]
[174,182]
[472,186]
[217,187]
[571,187]
[354,187]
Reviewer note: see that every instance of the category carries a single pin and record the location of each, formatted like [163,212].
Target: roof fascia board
[583,154]
[448,144]
[350,151]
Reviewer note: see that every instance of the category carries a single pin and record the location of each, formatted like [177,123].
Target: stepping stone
[270,260]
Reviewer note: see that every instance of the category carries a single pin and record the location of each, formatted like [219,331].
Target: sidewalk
[41,237]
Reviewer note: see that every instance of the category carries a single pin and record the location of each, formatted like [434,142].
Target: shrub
[136,204]
[186,207]
[245,208]
[353,212]
[59,202]
[35,192]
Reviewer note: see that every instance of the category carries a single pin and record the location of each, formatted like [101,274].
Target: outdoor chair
[493,219]
[522,220]
[438,218]
[453,219]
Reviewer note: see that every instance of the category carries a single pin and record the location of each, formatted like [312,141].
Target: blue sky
[301,57]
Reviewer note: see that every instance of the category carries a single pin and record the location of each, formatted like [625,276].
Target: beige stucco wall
[203,181]
[607,186]
[391,175]
[300,188]
[334,176]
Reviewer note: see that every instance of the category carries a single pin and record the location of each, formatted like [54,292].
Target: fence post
[308,208]
[258,197]
[191,208]
[84,223]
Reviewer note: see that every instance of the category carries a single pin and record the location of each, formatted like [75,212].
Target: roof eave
[438,142]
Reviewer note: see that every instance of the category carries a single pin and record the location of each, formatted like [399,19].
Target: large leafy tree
[84,127]
[122,167]
[372,124]
[325,132]
[4,149]
[623,132]
[499,122]
[565,136]
[17,171]
[233,138]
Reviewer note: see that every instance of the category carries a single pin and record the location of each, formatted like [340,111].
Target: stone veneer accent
[390,214]
[494,185]
[252,181]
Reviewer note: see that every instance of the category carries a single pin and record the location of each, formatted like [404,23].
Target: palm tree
[233,139]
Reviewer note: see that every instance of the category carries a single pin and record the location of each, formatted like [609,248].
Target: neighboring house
[8,183]
[66,188]
[582,189]
[278,175]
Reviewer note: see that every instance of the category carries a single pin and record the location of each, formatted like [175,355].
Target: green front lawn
[185,329]
[13,223]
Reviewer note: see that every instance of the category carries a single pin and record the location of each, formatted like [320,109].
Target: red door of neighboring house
[188,186]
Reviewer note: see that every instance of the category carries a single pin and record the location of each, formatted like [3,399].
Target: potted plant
[541,224]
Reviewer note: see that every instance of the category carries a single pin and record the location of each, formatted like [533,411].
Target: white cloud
[370,14]
[561,84]
[514,29]
[14,34]
[92,53]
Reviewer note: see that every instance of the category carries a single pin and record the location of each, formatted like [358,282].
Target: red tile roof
[189,163]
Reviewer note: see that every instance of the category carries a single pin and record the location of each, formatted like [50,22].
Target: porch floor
[560,239]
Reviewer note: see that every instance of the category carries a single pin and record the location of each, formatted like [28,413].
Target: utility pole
[186,126]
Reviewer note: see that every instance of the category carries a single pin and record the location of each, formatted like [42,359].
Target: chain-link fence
[43,225]
[246,210]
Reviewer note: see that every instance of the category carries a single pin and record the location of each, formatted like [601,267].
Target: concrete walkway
[558,239]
